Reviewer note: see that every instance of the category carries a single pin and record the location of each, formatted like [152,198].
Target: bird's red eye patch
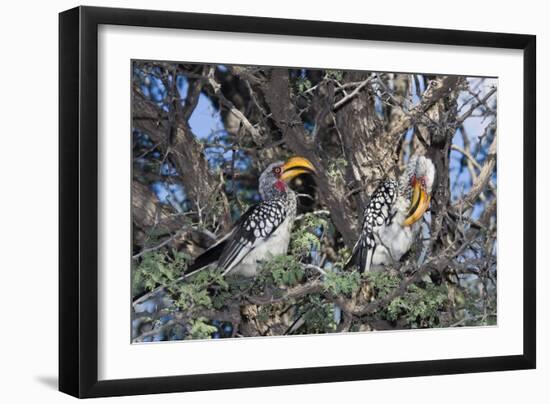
[277,170]
[413,180]
[280,185]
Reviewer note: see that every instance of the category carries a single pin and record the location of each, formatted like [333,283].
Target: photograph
[277,201]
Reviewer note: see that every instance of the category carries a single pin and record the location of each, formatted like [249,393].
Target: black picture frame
[78,201]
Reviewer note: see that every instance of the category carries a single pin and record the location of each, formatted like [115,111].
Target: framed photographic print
[250,201]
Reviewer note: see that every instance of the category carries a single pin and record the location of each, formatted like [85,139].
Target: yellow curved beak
[420,202]
[296,166]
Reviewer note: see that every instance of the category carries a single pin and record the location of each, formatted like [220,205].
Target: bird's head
[419,176]
[275,178]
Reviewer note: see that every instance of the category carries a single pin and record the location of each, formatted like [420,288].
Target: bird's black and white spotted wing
[255,226]
[378,212]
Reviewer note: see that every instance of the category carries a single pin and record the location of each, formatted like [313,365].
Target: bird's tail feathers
[352,260]
[361,257]
[207,258]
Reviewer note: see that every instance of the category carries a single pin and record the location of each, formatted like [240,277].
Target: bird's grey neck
[292,202]
[405,189]
[272,193]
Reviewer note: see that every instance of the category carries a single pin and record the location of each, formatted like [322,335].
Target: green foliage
[287,270]
[157,268]
[310,221]
[302,84]
[207,288]
[303,244]
[263,314]
[343,257]
[283,270]
[342,283]
[302,239]
[201,290]
[337,75]
[418,306]
[318,316]
[383,282]
[336,167]
[200,329]
[219,297]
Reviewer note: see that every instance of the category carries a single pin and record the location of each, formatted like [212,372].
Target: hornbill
[264,229]
[391,218]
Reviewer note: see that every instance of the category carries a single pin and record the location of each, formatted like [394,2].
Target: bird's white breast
[276,244]
[395,240]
